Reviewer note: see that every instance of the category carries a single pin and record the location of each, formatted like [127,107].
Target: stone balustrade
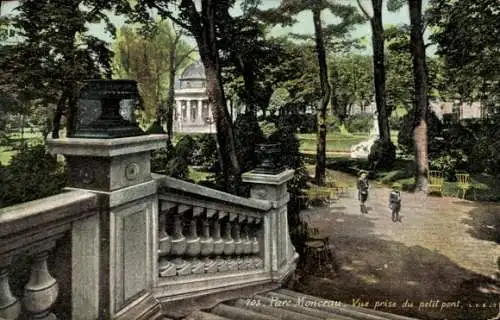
[211,241]
[195,240]
[122,241]
[33,238]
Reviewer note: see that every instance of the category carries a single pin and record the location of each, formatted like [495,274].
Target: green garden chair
[436,181]
[464,184]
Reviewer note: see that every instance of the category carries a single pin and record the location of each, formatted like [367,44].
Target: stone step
[280,302]
[337,308]
[272,311]
[200,315]
[235,313]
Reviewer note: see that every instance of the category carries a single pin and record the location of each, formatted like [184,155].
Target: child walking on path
[395,202]
[363,186]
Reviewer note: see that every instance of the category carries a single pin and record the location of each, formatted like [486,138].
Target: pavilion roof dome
[195,71]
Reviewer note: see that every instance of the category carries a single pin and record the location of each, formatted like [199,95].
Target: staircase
[289,305]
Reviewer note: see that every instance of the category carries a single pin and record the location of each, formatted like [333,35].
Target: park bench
[436,181]
[464,184]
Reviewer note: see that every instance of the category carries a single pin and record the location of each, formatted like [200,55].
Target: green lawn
[6,152]
[5,156]
[486,186]
[197,175]
[335,142]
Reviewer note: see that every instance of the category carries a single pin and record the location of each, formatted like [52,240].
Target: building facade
[8,34]
[193,113]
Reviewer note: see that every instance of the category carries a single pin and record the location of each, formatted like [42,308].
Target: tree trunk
[379,71]
[207,45]
[60,110]
[72,110]
[325,99]
[171,95]
[420,81]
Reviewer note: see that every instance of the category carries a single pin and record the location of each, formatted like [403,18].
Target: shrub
[361,123]
[31,174]
[450,164]
[248,134]
[333,124]
[205,153]
[434,133]
[484,155]
[381,155]
[178,168]
[267,128]
[161,157]
[308,123]
[185,148]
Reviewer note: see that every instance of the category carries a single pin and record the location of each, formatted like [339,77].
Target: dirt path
[440,257]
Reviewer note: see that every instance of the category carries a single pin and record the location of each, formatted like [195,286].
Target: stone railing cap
[176,184]
[42,212]
[106,147]
[276,179]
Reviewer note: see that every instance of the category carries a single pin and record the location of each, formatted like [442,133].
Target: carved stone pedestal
[119,172]
[281,257]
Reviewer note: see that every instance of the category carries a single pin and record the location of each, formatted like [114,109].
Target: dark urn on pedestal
[106,110]
[269,155]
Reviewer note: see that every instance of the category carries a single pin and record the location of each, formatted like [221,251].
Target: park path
[443,249]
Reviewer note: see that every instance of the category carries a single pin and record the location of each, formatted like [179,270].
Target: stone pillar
[178,107]
[282,258]
[188,109]
[201,121]
[114,275]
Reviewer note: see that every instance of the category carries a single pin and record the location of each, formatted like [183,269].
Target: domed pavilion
[193,113]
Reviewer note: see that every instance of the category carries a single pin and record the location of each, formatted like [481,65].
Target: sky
[304,24]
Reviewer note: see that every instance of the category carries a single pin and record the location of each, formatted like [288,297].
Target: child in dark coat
[362,187]
[395,202]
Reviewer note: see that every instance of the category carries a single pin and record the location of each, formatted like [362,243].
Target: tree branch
[365,13]
[183,57]
[169,15]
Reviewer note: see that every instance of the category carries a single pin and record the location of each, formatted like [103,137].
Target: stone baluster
[238,242]
[219,243]
[247,242]
[10,307]
[254,230]
[40,293]
[193,249]
[179,242]
[167,269]
[207,242]
[229,246]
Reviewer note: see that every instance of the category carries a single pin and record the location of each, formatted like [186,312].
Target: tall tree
[468,36]
[322,35]
[387,153]
[179,55]
[320,172]
[57,53]
[421,103]
[152,55]
[353,76]
[203,24]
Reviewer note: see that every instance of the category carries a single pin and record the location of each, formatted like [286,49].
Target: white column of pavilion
[200,112]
